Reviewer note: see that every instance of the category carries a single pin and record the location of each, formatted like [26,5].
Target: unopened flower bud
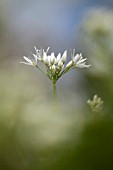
[69,64]
[64,57]
[95,104]
[53,67]
[52,58]
[58,58]
[60,64]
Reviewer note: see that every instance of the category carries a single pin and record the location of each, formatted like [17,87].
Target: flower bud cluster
[95,104]
[55,65]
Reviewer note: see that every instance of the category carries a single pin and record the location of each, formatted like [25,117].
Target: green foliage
[96,37]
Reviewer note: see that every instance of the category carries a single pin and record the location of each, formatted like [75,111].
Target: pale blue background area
[46,23]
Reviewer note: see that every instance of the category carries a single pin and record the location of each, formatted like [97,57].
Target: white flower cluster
[96,103]
[55,66]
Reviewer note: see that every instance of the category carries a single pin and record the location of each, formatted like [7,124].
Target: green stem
[41,70]
[66,70]
[55,95]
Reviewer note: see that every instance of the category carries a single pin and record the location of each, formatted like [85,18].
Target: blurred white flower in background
[96,103]
[97,38]
[99,20]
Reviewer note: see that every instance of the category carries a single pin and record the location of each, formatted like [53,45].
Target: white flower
[60,64]
[45,59]
[52,58]
[40,53]
[55,65]
[53,68]
[58,58]
[32,62]
[96,103]
[79,61]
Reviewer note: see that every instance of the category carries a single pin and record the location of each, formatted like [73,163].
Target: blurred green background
[32,135]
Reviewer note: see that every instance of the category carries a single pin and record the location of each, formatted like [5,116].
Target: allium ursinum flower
[55,65]
[29,61]
[95,104]
[40,53]
[77,61]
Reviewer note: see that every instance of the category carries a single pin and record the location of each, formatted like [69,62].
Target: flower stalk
[55,95]
[55,67]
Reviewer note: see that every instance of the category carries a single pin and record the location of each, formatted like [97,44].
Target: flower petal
[52,58]
[82,60]
[35,57]
[28,60]
[64,56]
[76,58]
[45,59]
[26,63]
[58,58]
[47,50]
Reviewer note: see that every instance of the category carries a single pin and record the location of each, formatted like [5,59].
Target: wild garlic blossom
[77,61]
[55,65]
[95,104]
[32,62]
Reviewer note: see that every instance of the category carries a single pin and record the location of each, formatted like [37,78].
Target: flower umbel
[95,104]
[55,65]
